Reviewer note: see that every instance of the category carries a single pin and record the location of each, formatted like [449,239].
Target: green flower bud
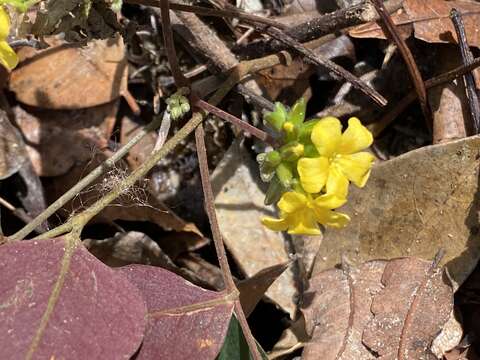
[292,151]
[305,131]
[284,174]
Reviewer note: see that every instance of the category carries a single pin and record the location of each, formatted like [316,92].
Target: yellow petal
[8,57]
[326,136]
[313,173]
[337,182]
[291,202]
[331,218]
[356,138]
[356,167]
[329,201]
[275,224]
[303,223]
[4,23]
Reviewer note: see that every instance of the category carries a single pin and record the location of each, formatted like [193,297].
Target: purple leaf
[58,301]
[184,320]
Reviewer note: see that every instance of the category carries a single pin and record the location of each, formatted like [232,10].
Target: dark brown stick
[328,64]
[180,80]
[391,30]
[467,58]
[217,238]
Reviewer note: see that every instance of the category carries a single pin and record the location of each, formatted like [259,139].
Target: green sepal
[274,192]
[297,114]
[305,131]
[310,151]
[277,117]
[292,151]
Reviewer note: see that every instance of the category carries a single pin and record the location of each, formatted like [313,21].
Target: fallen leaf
[59,139]
[210,274]
[132,247]
[184,321]
[449,337]
[415,204]
[337,309]
[410,311]
[141,151]
[239,204]
[14,154]
[75,306]
[68,76]
[430,21]
[253,289]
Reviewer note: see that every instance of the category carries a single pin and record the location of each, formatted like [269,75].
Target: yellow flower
[339,160]
[301,214]
[8,57]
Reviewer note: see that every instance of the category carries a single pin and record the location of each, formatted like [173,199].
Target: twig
[204,11]
[320,26]
[19,213]
[328,64]
[401,105]
[180,80]
[467,58]
[87,180]
[390,28]
[217,238]
[259,134]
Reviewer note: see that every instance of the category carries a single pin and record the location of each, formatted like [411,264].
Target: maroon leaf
[58,301]
[184,320]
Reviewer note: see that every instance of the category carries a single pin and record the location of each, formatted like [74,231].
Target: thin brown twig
[401,105]
[218,240]
[391,30]
[177,74]
[467,58]
[204,11]
[328,64]
[259,134]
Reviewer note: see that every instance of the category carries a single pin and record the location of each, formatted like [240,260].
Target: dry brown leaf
[68,76]
[410,311]
[239,204]
[337,309]
[58,139]
[13,154]
[430,20]
[413,205]
[253,289]
[139,153]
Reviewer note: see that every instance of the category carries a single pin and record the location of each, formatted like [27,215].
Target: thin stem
[467,58]
[87,180]
[391,29]
[80,220]
[243,125]
[180,80]
[217,237]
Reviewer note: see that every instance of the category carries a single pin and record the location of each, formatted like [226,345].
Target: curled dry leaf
[75,306]
[59,139]
[13,154]
[413,205]
[430,22]
[410,311]
[337,309]
[69,76]
[184,321]
[239,204]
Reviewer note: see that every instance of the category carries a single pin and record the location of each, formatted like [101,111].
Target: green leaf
[235,346]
